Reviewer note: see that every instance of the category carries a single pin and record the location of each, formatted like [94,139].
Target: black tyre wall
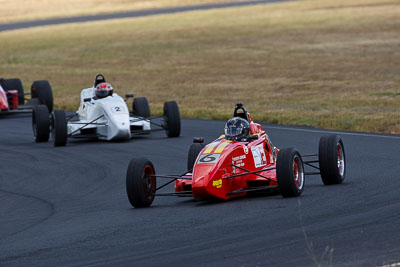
[42,90]
[140,107]
[194,151]
[328,159]
[59,128]
[40,123]
[134,183]
[284,172]
[172,119]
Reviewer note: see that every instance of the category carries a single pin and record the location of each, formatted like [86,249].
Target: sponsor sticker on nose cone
[217,183]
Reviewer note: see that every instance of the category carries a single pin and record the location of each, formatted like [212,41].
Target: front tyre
[194,151]
[140,182]
[140,107]
[59,132]
[172,119]
[42,90]
[332,159]
[290,172]
[40,123]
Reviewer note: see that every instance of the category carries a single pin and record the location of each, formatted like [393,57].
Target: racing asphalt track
[128,14]
[67,206]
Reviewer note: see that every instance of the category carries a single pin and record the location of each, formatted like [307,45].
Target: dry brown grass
[327,64]
[16,10]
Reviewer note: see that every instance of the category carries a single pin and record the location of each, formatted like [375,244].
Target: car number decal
[117,109]
[208,158]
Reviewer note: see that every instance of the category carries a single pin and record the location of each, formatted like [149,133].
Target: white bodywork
[112,114]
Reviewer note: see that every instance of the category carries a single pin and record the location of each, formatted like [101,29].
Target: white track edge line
[391,265]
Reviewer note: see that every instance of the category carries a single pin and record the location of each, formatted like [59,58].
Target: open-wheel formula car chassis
[13,98]
[227,169]
[61,126]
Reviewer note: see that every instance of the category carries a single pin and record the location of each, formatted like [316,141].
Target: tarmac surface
[68,206]
[128,14]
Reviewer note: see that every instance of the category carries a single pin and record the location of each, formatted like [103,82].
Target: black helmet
[237,129]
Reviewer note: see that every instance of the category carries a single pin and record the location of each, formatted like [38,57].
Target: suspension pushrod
[251,172]
[86,125]
[311,161]
[172,176]
[308,164]
[310,155]
[173,180]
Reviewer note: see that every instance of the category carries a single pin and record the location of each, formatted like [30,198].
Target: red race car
[237,163]
[12,96]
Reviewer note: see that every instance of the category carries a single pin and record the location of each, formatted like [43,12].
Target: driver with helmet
[103,90]
[241,127]
[237,129]
[100,90]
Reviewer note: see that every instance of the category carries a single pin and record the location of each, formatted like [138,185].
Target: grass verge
[326,64]
[18,10]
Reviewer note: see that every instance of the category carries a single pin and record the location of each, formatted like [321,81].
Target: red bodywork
[4,96]
[221,159]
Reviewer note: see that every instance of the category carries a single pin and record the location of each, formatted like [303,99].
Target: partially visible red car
[227,169]
[12,96]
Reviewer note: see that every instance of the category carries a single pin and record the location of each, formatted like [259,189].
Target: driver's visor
[233,130]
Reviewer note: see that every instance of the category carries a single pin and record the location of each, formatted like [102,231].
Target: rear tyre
[40,123]
[332,159]
[290,172]
[140,183]
[140,107]
[15,84]
[42,90]
[172,119]
[194,151]
[59,128]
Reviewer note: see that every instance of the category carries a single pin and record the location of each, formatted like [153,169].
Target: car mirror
[127,96]
[252,137]
[87,99]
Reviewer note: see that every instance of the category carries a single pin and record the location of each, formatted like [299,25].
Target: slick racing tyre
[42,90]
[15,84]
[140,183]
[140,107]
[40,123]
[332,159]
[59,128]
[172,119]
[194,151]
[290,172]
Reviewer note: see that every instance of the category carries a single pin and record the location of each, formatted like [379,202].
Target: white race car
[103,114]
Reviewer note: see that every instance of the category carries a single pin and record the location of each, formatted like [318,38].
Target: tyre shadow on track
[253,197]
[14,116]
